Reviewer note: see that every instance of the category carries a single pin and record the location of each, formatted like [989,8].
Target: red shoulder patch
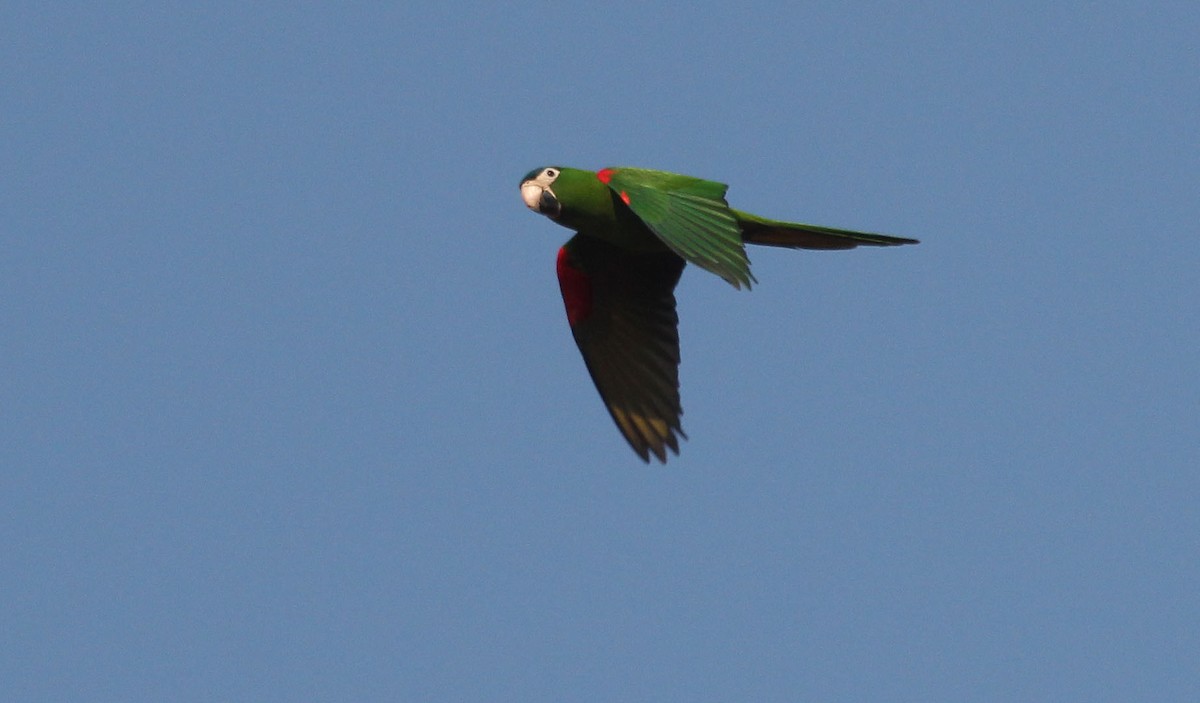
[576,289]
[605,175]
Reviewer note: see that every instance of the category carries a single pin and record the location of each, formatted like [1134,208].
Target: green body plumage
[635,229]
[590,207]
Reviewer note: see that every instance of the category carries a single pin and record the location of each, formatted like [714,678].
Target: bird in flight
[635,230]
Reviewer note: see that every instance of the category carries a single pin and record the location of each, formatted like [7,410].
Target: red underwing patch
[625,197]
[576,288]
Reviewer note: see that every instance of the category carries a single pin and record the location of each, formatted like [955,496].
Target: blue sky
[291,410]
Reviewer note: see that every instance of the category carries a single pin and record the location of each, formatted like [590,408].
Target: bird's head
[537,193]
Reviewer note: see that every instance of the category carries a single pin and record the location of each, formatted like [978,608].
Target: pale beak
[540,199]
[531,193]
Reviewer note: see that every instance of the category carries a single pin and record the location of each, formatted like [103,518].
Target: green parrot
[635,229]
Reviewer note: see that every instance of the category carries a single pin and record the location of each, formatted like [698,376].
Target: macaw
[635,230]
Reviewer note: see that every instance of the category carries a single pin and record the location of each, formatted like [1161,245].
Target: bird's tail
[760,230]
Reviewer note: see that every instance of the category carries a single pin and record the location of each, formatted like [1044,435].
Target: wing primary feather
[653,405]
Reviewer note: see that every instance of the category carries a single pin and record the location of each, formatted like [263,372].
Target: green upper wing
[689,215]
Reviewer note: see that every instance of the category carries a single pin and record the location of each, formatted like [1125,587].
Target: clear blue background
[291,411]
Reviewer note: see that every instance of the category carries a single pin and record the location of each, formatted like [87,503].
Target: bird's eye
[552,173]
